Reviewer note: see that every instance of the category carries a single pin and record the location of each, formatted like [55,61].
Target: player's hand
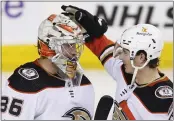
[94,26]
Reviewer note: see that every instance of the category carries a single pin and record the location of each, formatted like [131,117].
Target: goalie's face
[69,50]
[72,51]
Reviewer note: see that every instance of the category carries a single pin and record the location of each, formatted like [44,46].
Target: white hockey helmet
[53,33]
[142,37]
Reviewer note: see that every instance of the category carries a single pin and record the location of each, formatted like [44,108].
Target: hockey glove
[94,26]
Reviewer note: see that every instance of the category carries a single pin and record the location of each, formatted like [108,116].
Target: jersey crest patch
[78,113]
[164,92]
[28,73]
[118,113]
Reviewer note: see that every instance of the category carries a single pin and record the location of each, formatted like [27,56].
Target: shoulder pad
[157,98]
[30,78]
[28,71]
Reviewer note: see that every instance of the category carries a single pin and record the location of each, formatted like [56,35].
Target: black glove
[94,26]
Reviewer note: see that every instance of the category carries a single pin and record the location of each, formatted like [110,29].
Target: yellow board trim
[15,55]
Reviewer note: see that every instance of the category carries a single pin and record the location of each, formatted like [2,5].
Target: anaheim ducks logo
[78,113]
[144,29]
[118,113]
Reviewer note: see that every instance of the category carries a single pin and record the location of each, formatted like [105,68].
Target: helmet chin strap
[136,69]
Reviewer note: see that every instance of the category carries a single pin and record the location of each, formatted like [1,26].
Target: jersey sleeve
[16,105]
[103,48]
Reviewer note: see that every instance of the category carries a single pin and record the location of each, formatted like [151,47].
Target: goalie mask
[142,37]
[61,41]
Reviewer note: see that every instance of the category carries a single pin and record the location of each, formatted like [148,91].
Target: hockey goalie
[53,87]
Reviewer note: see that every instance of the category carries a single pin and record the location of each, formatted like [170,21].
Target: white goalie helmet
[55,32]
[142,37]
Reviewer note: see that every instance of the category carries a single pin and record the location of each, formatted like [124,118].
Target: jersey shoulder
[30,78]
[157,97]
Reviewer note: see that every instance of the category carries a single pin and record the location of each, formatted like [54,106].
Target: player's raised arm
[136,70]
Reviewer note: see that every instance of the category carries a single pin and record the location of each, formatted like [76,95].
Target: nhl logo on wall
[28,73]
[164,92]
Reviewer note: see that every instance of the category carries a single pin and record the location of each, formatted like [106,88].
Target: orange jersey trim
[126,110]
[106,59]
[99,44]
[165,78]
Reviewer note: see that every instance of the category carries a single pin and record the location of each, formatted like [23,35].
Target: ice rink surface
[102,82]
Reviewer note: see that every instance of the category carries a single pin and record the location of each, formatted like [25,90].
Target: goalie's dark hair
[152,63]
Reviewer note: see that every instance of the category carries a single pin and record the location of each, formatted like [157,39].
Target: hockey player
[143,92]
[52,87]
